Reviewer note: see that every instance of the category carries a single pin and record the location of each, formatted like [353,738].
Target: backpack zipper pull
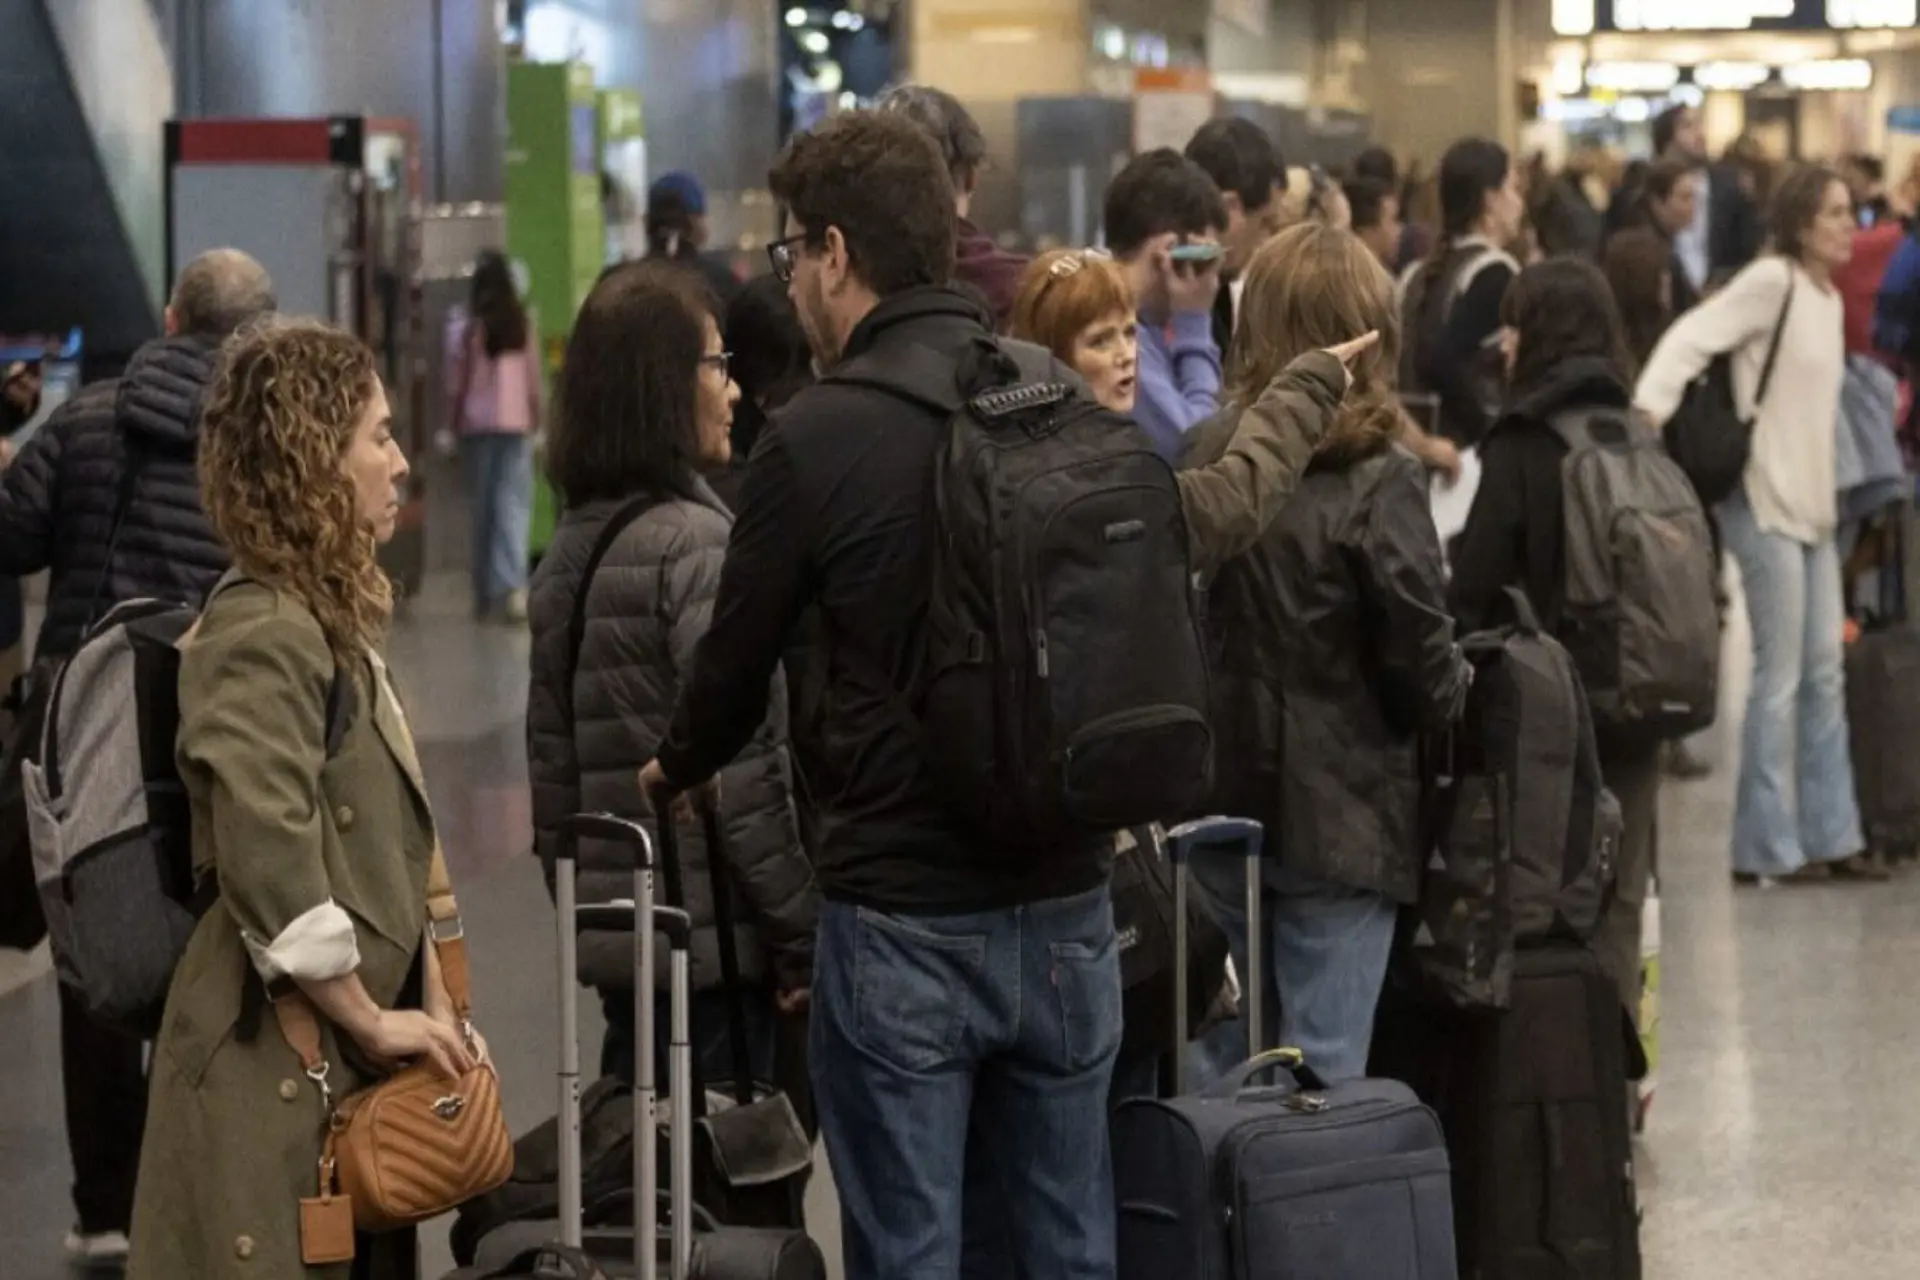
[1040,652]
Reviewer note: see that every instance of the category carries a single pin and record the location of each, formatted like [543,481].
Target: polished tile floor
[1785,1140]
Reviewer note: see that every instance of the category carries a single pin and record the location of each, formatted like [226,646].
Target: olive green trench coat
[234,1129]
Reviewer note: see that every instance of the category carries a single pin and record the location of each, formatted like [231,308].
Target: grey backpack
[1641,619]
[108,815]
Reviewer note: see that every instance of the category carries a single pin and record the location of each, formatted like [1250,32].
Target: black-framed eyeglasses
[721,360]
[780,254]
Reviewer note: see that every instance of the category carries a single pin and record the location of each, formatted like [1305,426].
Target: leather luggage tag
[326,1230]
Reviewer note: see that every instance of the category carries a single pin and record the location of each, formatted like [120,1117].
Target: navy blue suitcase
[1293,1180]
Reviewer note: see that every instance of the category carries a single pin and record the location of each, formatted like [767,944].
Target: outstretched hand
[1352,349]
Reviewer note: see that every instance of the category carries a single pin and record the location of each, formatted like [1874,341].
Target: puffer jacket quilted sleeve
[647,608]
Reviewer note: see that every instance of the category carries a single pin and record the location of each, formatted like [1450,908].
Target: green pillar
[555,229]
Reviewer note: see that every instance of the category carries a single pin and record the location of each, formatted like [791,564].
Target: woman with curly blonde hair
[1336,651]
[310,817]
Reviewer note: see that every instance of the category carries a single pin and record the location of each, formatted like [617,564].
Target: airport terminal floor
[1785,1139]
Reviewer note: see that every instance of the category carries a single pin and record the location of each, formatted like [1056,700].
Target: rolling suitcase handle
[1215,833]
[643,918]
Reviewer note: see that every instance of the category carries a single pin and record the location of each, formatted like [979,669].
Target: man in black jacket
[1725,231]
[106,497]
[954,982]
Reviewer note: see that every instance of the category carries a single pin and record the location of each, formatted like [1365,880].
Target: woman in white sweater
[1795,815]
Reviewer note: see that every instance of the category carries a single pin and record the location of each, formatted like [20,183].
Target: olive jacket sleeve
[1241,470]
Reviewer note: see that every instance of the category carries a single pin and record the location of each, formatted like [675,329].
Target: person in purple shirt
[1164,219]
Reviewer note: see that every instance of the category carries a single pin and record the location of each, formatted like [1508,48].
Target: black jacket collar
[916,309]
[1588,381]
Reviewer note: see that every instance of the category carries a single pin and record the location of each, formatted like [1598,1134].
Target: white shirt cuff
[318,946]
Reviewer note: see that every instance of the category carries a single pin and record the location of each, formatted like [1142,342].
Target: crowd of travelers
[737,602]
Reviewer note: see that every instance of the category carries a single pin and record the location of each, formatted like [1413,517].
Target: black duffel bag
[1143,906]
[22,922]
[1707,436]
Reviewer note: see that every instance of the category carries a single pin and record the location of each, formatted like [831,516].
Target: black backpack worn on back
[1641,619]
[1707,435]
[1062,686]
[1524,835]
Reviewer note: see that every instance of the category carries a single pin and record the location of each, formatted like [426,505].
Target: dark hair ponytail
[494,304]
[1471,168]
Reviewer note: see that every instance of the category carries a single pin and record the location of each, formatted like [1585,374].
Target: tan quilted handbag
[415,1145]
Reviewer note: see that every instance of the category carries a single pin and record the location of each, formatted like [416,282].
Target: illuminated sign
[1584,17]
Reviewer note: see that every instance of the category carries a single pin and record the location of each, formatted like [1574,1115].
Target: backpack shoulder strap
[932,380]
[610,533]
[918,374]
[343,703]
[1597,427]
[1574,427]
[135,461]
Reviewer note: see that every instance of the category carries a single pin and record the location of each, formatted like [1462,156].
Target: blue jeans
[499,468]
[1326,957]
[1795,803]
[1003,1022]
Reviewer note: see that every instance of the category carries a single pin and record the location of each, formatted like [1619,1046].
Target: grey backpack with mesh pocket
[108,815]
[1641,620]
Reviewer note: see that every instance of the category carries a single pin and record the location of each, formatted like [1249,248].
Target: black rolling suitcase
[695,1248]
[1534,1102]
[1883,703]
[1296,1180]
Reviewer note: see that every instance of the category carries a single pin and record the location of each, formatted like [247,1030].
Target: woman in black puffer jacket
[1335,652]
[645,405]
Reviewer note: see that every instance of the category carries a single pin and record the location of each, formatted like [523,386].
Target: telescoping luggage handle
[644,918]
[1304,1078]
[1247,836]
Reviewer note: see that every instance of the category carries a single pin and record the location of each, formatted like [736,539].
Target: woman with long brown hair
[1335,650]
[1796,817]
[320,842]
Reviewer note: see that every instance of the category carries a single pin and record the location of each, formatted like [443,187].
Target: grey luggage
[1641,620]
[1280,1181]
[696,1248]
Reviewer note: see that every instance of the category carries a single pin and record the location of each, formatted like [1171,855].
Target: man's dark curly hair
[1161,191]
[881,180]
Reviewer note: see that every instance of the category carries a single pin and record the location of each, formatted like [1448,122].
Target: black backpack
[1425,303]
[1062,686]
[1523,834]
[1707,435]
[1143,925]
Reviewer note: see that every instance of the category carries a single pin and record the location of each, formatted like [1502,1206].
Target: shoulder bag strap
[1773,347]
[300,1021]
[135,462]
[737,1041]
[610,533]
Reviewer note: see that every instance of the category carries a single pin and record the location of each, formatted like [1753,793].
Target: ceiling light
[814,41]
[796,17]
[1732,77]
[1828,74]
[1633,77]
